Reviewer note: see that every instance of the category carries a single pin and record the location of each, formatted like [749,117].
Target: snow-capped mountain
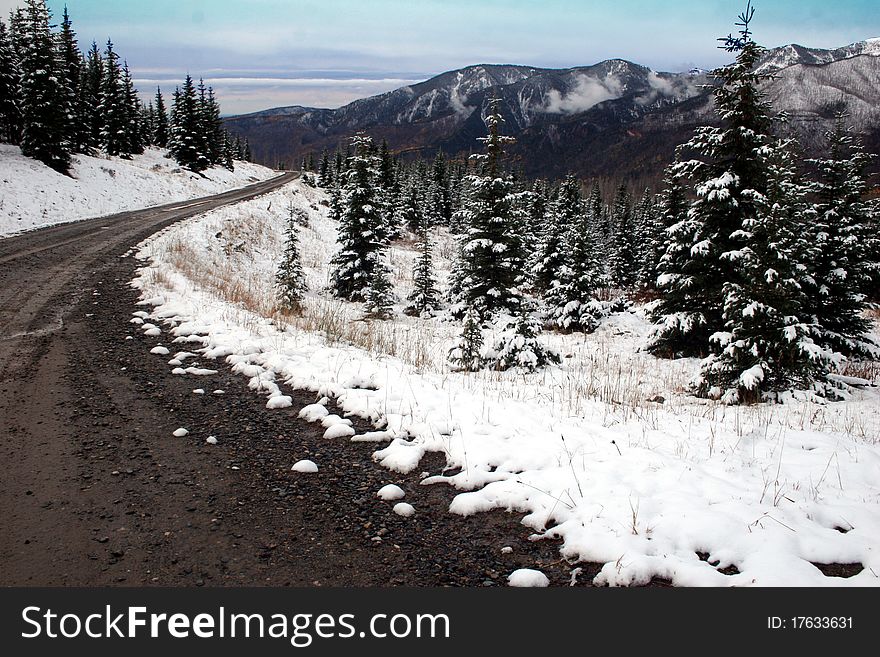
[610,119]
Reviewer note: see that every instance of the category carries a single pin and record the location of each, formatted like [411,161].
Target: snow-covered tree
[45,100]
[160,126]
[10,90]
[186,140]
[114,109]
[671,210]
[560,216]
[489,265]
[379,301]
[72,65]
[466,356]
[424,298]
[90,96]
[359,219]
[290,280]
[765,346]
[847,245]
[730,176]
[135,138]
[622,260]
[518,346]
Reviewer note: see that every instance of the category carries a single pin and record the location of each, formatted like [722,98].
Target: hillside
[32,195]
[613,119]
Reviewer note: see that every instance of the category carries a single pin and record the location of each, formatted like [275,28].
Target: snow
[279,401]
[211,440]
[305,466]
[577,450]
[390,492]
[162,351]
[34,196]
[339,431]
[527,577]
[404,509]
[180,433]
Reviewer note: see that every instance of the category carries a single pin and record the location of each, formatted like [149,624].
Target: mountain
[613,119]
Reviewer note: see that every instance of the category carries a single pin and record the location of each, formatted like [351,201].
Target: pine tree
[290,280]
[560,217]
[439,210]
[622,261]
[134,128]
[379,301]
[186,139]
[90,93]
[45,99]
[572,296]
[358,222]
[847,245]
[325,175]
[672,208]
[424,298]
[466,356]
[520,346]
[765,347]
[729,176]
[160,131]
[114,107]
[10,90]
[72,66]
[489,266]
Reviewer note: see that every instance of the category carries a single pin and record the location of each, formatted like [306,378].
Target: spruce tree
[622,261]
[520,346]
[114,109]
[160,130]
[379,302]
[672,208]
[134,138]
[765,346]
[10,90]
[186,140]
[846,243]
[489,266]
[90,93]
[560,217]
[466,356]
[359,220]
[290,280]
[73,67]
[424,298]
[325,175]
[729,175]
[45,99]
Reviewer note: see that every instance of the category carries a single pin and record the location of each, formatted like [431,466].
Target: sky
[325,53]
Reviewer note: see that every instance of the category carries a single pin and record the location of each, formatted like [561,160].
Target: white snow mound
[390,492]
[305,465]
[527,578]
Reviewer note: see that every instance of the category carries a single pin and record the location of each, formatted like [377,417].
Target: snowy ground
[648,488]
[32,195]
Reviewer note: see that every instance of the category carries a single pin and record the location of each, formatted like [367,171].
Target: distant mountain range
[615,119]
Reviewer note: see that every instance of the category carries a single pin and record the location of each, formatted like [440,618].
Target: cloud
[661,87]
[588,92]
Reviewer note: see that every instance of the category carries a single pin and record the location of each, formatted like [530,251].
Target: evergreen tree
[290,280]
[520,346]
[358,222]
[847,245]
[466,356]
[72,66]
[186,139]
[160,130]
[765,347]
[10,90]
[134,136]
[729,176]
[489,265]
[622,261]
[672,208]
[424,298]
[379,296]
[571,296]
[439,202]
[248,156]
[45,99]
[325,174]
[90,94]
[561,216]
[114,108]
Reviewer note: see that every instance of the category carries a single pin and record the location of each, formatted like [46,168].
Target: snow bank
[33,196]
[687,489]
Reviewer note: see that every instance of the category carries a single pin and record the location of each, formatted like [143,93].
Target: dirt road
[95,490]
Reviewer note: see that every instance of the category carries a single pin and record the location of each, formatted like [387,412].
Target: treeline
[56,100]
[760,265]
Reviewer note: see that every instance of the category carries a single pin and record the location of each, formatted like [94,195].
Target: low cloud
[588,92]
[666,88]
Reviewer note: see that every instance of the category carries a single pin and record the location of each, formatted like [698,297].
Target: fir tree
[466,356]
[45,99]
[290,280]
[729,176]
[325,175]
[424,298]
[160,130]
[622,261]
[358,223]
[765,347]
[114,108]
[186,140]
[134,138]
[10,91]
[560,217]
[672,208]
[490,263]
[72,66]
[847,245]
[90,94]
[379,301]
[520,346]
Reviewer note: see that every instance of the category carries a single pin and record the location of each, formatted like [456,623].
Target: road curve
[95,490]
